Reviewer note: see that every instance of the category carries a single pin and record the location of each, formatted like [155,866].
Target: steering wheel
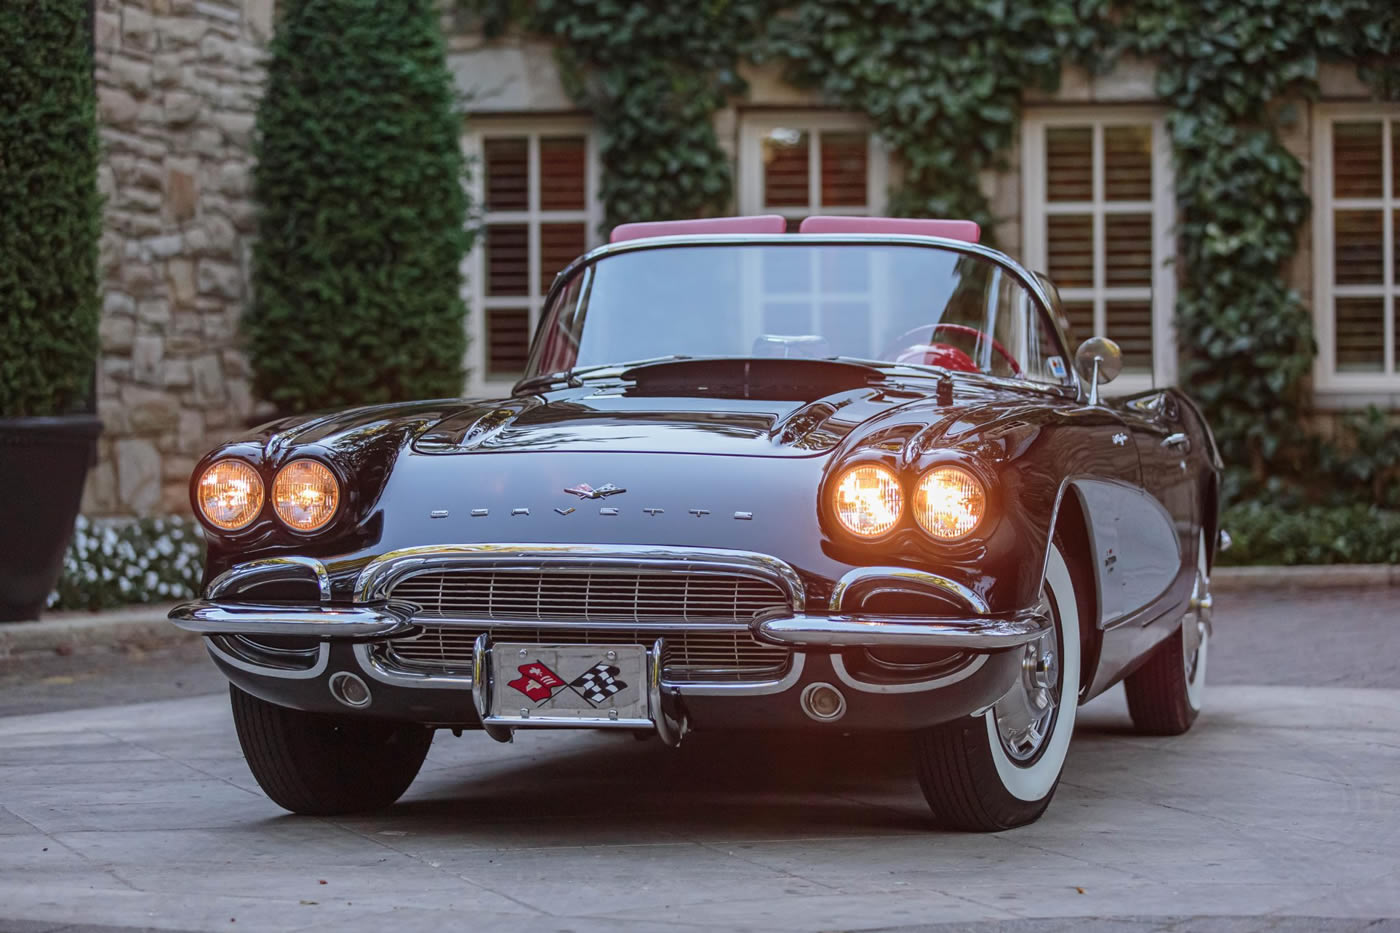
[903,341]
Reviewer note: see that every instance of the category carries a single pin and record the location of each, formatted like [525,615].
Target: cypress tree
[362,210]
[50,212]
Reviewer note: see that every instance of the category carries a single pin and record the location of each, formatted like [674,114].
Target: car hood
[620,419]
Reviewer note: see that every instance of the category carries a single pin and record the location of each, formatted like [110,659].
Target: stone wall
[178,82]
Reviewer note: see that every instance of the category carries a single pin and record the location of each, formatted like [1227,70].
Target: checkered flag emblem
[599,683]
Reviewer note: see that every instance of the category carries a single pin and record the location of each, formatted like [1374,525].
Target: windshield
[899,303]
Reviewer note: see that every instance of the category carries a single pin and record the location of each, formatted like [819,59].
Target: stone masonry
[178,82]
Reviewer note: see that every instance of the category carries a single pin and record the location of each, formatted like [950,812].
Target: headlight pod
[305,495]
[867,500]
[949,502]
[229,494]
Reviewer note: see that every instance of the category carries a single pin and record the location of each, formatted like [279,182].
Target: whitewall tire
[1000,770]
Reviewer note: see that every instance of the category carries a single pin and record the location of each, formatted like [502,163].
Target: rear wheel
[1000,770]
[1165,694]
[319,764]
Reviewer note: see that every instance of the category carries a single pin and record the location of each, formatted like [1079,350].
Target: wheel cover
[1025,716]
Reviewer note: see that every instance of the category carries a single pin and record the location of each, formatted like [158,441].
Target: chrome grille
[553,596]
[449,648]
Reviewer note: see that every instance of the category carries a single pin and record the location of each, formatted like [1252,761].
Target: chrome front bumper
[208,617]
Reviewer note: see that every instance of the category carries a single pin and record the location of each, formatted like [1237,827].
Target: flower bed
[118,564]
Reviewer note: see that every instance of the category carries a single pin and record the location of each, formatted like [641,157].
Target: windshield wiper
[574,378]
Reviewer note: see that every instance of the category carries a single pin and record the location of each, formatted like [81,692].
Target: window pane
[560,244]
[1071,249]
[507,174]
[507,259]
[562,160]
[1128,249]
[1395,158]
[1069,163]
[1356,160]
[1360,335]
[845,272]
[1127,170]
[1080,315]
[785,168]
[1359,248]
[1130,323]
[843,173]
[507,340]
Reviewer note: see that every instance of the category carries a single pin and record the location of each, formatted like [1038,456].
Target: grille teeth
[546,597]
[590,597]
[442,648]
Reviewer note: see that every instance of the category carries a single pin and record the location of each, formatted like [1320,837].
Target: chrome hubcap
[1025,714]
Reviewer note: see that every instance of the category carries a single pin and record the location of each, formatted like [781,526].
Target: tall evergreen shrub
[362,210]
[50,212]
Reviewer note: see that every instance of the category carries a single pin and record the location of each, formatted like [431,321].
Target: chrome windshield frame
[1022,275]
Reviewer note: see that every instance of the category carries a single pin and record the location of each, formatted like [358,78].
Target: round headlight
[868,500]
[305,495]
[230,494]
[949,502]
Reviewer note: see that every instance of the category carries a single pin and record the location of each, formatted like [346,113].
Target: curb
[1306,576]
[70,633]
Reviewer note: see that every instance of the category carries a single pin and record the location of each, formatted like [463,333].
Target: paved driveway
[1280,810]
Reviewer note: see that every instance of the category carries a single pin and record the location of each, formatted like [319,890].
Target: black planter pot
[43,464]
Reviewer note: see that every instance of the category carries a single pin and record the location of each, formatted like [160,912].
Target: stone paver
[1281,810]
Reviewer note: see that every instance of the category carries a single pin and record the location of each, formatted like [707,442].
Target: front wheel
[999,771]
[322,765]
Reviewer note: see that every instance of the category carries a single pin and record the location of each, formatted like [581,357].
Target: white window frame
[1331,388]
[474,266]
[753,127]
[1035,210]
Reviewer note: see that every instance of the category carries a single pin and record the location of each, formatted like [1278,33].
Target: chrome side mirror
[1098,360]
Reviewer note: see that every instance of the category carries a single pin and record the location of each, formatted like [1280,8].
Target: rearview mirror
[1099,360]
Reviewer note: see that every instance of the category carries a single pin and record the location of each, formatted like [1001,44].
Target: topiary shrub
[362,210]
[50,212]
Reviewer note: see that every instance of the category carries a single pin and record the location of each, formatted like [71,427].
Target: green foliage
[149,561]
[942,83]
[941,80]
[50,212]
[653,73]
[362,210]
[1365,464]
[1271,534]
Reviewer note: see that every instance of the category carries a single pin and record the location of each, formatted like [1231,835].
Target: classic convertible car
[843,479]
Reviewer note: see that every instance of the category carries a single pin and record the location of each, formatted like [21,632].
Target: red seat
[965,230]
[761,223]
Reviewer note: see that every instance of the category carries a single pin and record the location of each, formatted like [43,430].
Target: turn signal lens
[868,500]
[949,502]
[305,495]
[230,494]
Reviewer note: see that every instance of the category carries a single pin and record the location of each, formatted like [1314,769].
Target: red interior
[965,230]
[761,223]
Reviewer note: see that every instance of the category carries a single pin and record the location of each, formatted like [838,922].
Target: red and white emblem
[536,681]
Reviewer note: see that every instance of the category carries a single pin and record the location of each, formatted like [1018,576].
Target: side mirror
[1098,360]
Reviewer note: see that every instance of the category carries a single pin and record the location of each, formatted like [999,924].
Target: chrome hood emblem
[585,491]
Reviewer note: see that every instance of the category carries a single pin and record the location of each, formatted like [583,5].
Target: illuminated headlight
[229,494]
[868,500]
[949,502]
[305,495]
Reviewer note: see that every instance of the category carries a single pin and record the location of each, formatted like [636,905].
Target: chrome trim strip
[269,569]
[451,621]
[838,664]
[323,657]
[376,668]
[907,575]
[384,571]
[851,631]
[210,618]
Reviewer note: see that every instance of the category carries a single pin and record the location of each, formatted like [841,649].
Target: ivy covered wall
[944,82]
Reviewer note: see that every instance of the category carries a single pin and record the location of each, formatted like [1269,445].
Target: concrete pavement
[1282,802]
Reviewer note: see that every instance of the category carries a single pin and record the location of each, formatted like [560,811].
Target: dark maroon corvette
[844,479]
